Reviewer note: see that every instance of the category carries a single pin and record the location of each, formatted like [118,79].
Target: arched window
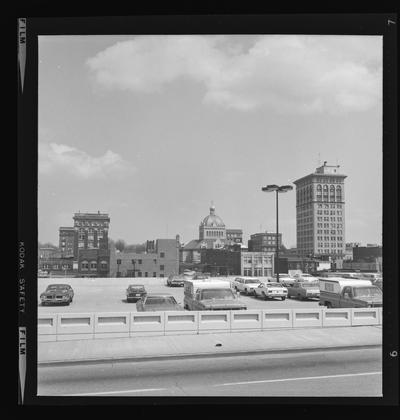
[319,192]
[338,193]
[93,265]
[325,193]
[103,265]
[332,193]
[84,265]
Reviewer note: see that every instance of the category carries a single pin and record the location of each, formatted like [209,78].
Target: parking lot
[108,295]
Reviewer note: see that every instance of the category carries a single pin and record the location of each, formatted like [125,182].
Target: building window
[145,274]
[161,275]
[139,261]
[93,265]
[103,265]
[84,265]
[162,254]
[139,273]
[161,267]
[81,244]
[247,271]
[154,274]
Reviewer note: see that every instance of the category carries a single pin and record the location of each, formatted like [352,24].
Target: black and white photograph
[209,214]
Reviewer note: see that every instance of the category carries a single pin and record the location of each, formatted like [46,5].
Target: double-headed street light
[278,189]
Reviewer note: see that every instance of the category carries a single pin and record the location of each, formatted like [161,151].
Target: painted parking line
[306,378]
[126,391]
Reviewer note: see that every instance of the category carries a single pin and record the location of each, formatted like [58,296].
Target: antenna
[319,159]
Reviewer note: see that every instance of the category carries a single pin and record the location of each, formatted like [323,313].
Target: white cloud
[286,73]
[59,157]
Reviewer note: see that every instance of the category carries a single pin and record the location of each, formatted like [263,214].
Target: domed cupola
[212,226]
[212,220]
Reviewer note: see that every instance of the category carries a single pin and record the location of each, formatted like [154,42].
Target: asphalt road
[314,374]
[91,296]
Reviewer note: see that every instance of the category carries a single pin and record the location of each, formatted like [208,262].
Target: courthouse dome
[212,220]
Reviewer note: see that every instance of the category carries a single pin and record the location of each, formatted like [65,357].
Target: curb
[131,359]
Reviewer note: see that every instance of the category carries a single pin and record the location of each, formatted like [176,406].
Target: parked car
[134,292]
[174,280]
[246,285]
[158,302]
[271,290]
[284,278]
[305,277]
[304,290]
[200,277]
[188,274]
[212,295]
[57,293]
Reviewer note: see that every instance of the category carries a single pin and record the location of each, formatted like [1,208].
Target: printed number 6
[393,353]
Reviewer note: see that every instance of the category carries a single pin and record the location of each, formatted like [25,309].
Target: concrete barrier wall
[277,318]
[112,324]
[214,321]
[178,322]
[47,327]
[80,326]
[307,317]
[249,320]
[336,317]
[147,323]
[365,316]
[75,326]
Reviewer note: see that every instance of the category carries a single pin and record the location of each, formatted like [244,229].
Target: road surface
[314,374]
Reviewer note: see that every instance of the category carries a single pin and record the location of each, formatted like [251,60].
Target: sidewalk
[167,347]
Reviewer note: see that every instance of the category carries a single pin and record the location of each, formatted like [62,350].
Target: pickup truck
[303,290]
[337,292]
[210,295]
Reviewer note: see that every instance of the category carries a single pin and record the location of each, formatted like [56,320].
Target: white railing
[79,326]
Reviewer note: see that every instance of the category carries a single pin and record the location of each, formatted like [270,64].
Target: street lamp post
[278,189]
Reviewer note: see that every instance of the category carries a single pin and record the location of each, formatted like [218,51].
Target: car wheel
[299,297]
[246,292]
[283,297]
[265,296]
[328,305]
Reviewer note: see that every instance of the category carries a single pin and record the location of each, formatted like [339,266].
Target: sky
[153,129]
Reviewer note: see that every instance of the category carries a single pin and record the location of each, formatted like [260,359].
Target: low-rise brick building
[161,261]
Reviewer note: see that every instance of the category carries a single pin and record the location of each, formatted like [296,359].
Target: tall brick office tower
[320,213]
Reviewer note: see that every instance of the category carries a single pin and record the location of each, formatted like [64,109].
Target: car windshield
[252,281]
[201,277]
[274,284]
[217,294]
[168,300]
[365,292]
[57,286]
